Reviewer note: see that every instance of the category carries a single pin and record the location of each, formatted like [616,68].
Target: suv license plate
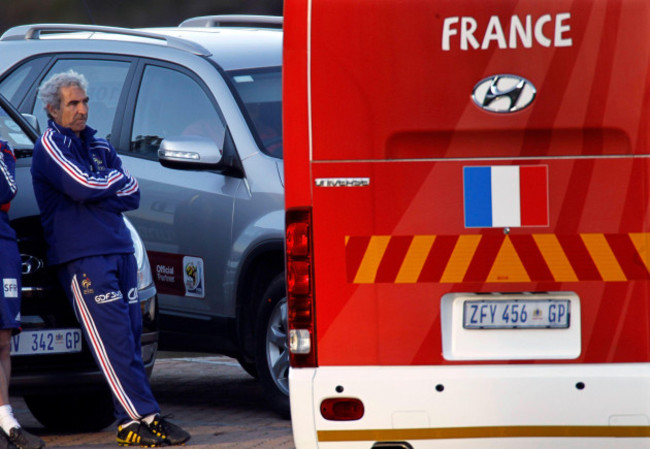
[517,314]
[46,341]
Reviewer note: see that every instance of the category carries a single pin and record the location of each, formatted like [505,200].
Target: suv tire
[272,345]
[61,411]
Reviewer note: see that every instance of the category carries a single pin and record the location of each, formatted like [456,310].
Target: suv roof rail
[234,20]
[25,32]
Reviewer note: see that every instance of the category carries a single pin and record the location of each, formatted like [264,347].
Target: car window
[172,104]
[12,133]
[105,82]
[14,85]
[11,83]
[261,93]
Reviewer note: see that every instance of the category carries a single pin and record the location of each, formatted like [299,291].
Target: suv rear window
[261,93]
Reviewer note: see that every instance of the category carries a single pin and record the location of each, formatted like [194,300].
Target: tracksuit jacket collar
[86,135]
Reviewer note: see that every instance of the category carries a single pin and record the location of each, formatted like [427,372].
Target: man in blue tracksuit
[82,190]
[10,273]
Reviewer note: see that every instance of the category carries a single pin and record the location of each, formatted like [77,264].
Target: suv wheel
[272,345]
[61,411]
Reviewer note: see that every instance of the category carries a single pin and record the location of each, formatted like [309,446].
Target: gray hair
[50,91]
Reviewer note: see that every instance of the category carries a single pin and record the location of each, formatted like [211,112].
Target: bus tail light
[300,288]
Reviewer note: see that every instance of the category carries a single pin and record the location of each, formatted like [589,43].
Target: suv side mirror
[193,152]
[200,153]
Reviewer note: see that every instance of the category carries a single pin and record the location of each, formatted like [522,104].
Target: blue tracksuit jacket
[7,189]
[82,189]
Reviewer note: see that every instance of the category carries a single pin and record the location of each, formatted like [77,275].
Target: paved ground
[212,397]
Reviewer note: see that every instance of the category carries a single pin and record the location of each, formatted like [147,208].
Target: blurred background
[126,13]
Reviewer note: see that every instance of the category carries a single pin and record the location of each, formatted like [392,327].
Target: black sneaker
[171,433]
[137,433]
[22,439]
[5,443]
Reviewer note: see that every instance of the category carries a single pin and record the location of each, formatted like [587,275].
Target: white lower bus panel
[489,406]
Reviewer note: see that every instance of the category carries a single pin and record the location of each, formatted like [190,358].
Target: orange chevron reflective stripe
[460,258]
[555,258]
[497,258]
[371,259]
[415,258]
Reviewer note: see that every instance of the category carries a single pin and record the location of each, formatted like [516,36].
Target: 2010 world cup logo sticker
[193,276]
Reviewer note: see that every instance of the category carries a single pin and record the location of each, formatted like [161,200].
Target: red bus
[468,222]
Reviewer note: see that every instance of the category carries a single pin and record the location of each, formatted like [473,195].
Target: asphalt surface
[210,396]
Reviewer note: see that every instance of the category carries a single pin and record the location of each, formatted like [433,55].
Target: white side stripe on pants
[98,345]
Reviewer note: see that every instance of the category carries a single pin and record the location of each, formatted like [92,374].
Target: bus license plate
[46,341]
[517,314]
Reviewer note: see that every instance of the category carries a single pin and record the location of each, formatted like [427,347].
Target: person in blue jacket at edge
[82,189]
[12,434]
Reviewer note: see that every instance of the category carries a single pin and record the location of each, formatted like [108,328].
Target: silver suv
[195,113]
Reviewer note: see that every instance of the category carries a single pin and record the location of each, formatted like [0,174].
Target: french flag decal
[505,196]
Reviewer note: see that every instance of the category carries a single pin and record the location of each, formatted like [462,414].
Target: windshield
[261,92]
[12,133]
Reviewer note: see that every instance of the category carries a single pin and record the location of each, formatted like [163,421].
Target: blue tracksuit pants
[104,294]
[10,285]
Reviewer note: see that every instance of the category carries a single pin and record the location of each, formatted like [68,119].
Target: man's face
[73,111]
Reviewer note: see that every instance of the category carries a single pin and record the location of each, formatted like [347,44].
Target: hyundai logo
[30,264]
[504,93]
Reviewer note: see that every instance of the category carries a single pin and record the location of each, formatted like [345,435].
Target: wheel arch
[261,266]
